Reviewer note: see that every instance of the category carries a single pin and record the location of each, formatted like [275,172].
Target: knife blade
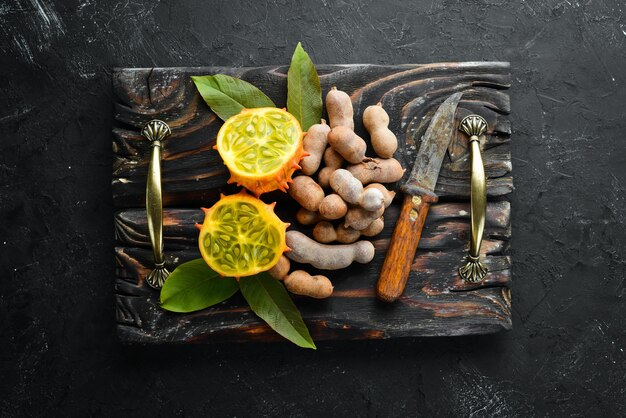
[419,194]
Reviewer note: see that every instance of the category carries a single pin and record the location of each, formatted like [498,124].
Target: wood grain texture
[436,301]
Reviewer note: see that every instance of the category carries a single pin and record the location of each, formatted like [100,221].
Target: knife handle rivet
[413,215]
[416,200]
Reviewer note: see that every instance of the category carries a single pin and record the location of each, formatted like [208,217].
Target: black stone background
[58,347]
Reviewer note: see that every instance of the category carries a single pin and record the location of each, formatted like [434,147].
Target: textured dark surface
[565,355]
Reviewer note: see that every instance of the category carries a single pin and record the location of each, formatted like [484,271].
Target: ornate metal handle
[474,271]
[155,131]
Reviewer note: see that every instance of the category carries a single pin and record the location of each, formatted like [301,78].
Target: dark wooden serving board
[436,302]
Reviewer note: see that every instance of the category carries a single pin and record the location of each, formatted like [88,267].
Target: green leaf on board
[227,96]
[304,93]
[268,298]
[193,286]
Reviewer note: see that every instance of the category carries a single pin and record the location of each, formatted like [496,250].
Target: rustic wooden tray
[436,302]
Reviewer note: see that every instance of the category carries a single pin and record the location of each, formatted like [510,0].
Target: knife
[419,194]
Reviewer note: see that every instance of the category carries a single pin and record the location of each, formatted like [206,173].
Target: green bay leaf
[227,96]
[193,286]
[304,93]
[268,298]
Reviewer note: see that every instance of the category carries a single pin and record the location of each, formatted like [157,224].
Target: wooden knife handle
[402,247]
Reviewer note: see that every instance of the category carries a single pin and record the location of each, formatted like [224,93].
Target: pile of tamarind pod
[348,200]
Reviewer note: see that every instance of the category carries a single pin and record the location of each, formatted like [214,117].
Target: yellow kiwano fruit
[241,236]
[262,148]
